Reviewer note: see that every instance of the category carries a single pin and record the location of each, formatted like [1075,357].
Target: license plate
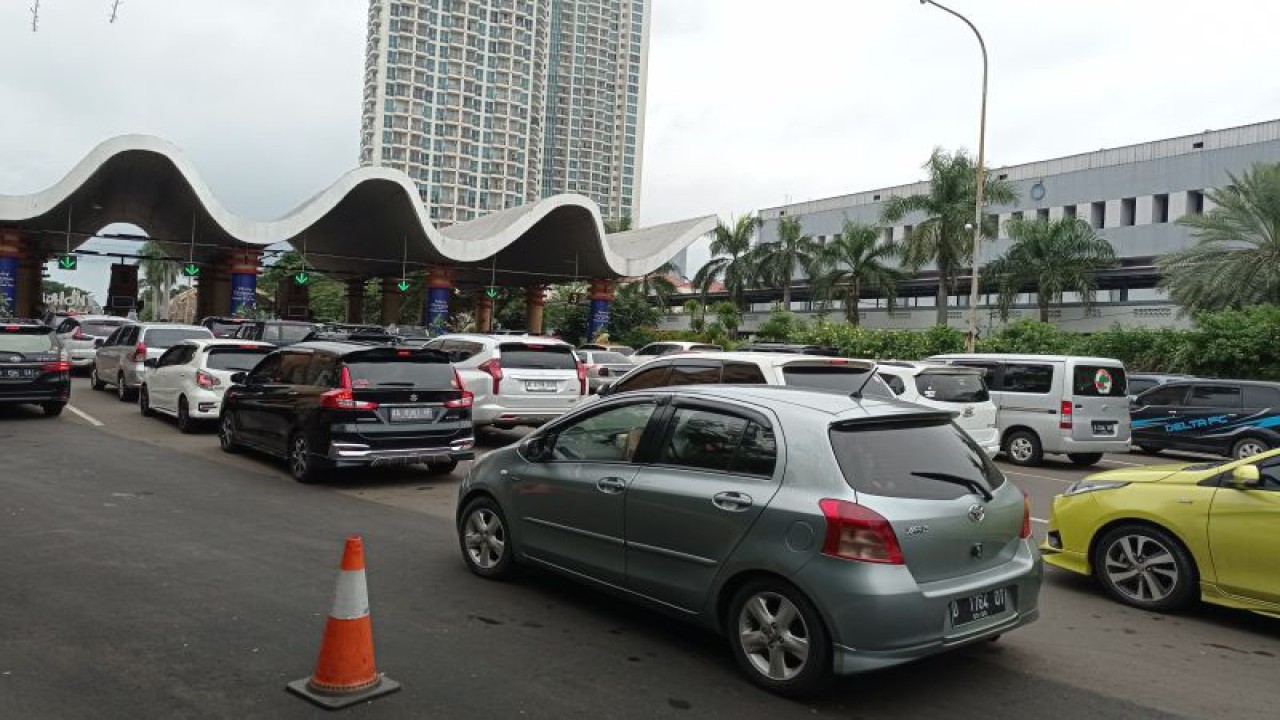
[18,373]
[412,414]
[541,385]
[1104,428]
[407,460]
[977,607]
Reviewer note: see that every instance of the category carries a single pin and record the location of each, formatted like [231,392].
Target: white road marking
[1038,477]
[1121,462]
[85,416]
[1042,522]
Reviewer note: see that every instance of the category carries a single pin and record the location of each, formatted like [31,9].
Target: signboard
[9,282]
[68,262]
[597,318]
[244,292]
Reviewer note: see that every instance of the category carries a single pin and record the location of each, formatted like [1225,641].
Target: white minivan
[1055,404]
[956,389]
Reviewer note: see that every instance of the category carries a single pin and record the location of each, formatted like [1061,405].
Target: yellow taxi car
[1158,536]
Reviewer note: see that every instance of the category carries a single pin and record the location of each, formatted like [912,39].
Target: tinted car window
[607,358]
[1215,396]
[267,371]
[98,328]
[1269,472]
[844,378]
[1167,395]
[609,436]
[989,370]
[222,329]
[1098,381]
[895,383]
[951,387]
[291,333]
[23,339]
[736,373]
[1020,377]
[172,356]
[1257,396]
[647,378]
[390,369]
[540,357]
[757,452]
[234,359]
[706,348]
[928,461]
[691,374]
[325,370]
[293,368]
[166,337]
[1138,386]
[701,439]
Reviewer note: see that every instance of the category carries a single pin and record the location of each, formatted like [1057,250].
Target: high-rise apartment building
[489,104]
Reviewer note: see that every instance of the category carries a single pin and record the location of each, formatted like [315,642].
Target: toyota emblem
[977,513]
[967,411]
[413,397]
[15,358]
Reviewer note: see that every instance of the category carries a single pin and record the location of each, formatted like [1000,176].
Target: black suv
[280,333]
[34,367]
[341,404]
[1235,418]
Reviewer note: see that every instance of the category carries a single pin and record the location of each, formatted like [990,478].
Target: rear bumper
[502,415]
[43,396]
[203,404]
[356,454]
[82,358]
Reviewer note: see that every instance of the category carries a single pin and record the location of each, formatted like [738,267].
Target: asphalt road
[147,574]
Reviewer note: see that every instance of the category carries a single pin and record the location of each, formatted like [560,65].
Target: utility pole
[115,9]
[35,16]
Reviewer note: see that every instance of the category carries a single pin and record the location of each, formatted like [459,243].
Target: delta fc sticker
[1102,381]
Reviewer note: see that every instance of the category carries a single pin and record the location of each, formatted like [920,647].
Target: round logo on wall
[1102,381]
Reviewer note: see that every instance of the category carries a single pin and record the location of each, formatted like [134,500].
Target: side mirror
[606,389]
[150,362]
[1245,476]
[97,342]
[535,448]
[239,378]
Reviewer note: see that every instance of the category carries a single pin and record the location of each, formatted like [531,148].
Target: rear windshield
[27,340]
[952,387]
[706,348]
[235,359]
[165,337]
[843,378]
[291,332]
[605,358]
[388,368]
[1099,381]
[99,328]
[222,329]
[537,357]
[927,461]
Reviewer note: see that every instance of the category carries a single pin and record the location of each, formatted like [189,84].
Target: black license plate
[1104,428]
[407,460]
[413,414]
[977,607]
[18,373]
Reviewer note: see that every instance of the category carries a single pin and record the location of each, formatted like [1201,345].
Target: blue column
[439,290]
[601,296]
[9,283]
[244,281]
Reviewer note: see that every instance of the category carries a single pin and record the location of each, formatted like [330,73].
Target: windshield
[27,340]
[842,378]
[1099,381]
[606,358]
[952,387]
[929,460]
[294,333]
[235,359]
[416,370]
[99,328]
[537,357]
[705,348]
[222,329]
[166,337]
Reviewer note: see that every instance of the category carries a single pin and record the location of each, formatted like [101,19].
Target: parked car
[1216,542]
[79,333]
[624,350]
[956,389]
[352,333]
[790,348]
[1142,382]
[1056,404]
[411,335]
[1235,418]
[277,332]
[188,380]
[822,534]
[323,405]
[516,379]
[603,366]
[737,368]
[119,359]
[34,367]
[224,327]
[655,349]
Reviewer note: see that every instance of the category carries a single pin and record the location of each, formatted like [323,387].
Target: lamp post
[972,337]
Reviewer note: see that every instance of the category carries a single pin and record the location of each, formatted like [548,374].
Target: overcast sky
[750,102]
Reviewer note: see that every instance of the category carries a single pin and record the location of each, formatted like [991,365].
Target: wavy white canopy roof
[362,224]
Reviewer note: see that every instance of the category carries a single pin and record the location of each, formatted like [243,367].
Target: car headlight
[1086,486]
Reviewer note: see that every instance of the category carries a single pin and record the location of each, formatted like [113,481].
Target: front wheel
[1022,447]
[144,402]
[778,638]
[1248,447]
[227,434]
[485,540]
[1146,567]
[1084,459]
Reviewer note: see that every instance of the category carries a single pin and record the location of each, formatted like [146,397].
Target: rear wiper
[958,480]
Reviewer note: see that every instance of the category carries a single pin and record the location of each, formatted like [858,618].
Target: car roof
[1029,356]
[169,326]
[96,318]
[1203,380]
[225,342]
[840,406]
[534,339]
[344,347]
[768,358]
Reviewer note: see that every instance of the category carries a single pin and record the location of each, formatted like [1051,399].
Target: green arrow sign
[491,292]
[191,270]
[67,262]
[403,285]
[302,278]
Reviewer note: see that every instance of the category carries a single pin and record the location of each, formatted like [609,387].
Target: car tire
[123,393]
[484,536]
[53,409]
[1022,447]
[94,382]
[302,463]
[442,468]
[186,425]
[227,434]
[144,402]
[777,658]
[1124,554]
[1248,447]
[1150,450]
[1084,459]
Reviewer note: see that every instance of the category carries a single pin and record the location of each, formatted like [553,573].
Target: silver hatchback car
[823,534]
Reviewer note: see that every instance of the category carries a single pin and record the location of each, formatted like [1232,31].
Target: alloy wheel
[1248,448]
[1141,568]
[299,459]
[184,415]
[1020,449]
[485,538]
[227,433]
[122,392]
[773,636]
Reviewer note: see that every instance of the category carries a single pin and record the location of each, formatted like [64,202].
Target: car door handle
[611,485]
[731,501]
[1173,413]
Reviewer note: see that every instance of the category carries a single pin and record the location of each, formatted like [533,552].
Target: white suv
[947,387]
[119,359]
[753,368]
[188,380]
[516,379]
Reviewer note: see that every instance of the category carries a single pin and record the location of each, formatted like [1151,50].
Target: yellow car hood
[1148,473]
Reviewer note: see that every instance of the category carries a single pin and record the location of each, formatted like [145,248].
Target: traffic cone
[345,673]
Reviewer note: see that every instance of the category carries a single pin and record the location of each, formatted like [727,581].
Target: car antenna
[871,372]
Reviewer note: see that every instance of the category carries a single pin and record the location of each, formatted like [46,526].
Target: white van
[960,390]
[1057,404]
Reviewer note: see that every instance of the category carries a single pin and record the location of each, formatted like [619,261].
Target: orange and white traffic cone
[345,673]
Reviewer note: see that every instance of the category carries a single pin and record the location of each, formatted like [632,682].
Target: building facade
[1132,195]
[490,104]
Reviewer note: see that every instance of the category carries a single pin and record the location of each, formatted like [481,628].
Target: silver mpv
[823,534]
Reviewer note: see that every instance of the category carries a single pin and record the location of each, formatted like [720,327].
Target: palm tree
[729,258]
[1236,260]
[853,261]
[655,283]
[160,273]
[941,238]
[775,264]
[1054,256]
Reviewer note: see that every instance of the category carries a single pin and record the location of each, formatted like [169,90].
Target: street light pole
[972,337]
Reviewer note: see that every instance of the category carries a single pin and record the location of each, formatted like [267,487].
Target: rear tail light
[343,398]
[857,533]
[582,379]
[1026,516]
[140,353]
[1065,419]
[494,369]
[58,366]
[206,381]
[468,398]
[603,372]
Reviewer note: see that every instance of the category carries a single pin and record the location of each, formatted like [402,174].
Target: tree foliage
[730,261]
[1054,257]
[775,264]
[854,261]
